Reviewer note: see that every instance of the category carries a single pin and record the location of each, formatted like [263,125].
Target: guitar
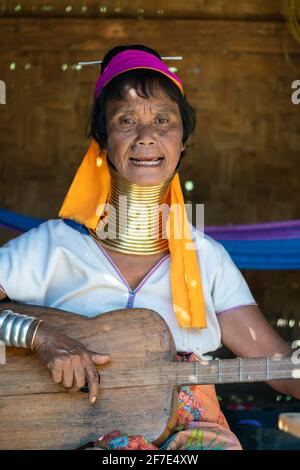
[138,390]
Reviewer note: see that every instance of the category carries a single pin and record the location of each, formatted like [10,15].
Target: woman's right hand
[70,362]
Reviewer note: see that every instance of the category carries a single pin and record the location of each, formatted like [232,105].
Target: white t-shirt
[59,265]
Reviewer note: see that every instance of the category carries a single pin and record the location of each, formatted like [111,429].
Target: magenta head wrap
[133,59]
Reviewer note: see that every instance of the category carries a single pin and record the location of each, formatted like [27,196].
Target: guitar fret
[267,367]
[234,370]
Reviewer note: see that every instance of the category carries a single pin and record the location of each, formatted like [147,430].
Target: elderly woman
[140,123]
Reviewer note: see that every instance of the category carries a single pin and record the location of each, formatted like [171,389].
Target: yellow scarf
[89,191]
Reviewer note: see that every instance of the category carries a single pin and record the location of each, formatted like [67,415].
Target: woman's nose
[145,135]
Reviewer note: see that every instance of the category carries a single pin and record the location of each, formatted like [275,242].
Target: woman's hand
[70,363]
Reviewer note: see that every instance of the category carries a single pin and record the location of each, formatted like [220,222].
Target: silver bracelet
[14,328]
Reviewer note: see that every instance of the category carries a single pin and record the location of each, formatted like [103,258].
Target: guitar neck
[216,371]
[237,370]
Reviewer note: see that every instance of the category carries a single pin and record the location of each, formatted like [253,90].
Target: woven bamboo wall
[244,156]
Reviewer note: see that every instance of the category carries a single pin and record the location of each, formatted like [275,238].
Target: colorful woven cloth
[200,425]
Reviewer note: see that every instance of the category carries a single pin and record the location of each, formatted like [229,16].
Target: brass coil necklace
[133,223]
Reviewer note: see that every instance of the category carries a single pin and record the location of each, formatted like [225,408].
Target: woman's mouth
[147,162]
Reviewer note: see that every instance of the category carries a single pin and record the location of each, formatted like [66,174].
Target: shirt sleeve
[22,264]
[230,289]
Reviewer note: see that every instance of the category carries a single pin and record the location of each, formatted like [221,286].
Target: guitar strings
[179,377]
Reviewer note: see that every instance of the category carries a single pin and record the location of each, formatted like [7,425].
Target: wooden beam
[95,36]
[193,9]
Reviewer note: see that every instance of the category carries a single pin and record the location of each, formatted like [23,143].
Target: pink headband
[133,59]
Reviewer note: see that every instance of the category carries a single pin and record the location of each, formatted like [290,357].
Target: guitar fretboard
[238,370]
[205,372]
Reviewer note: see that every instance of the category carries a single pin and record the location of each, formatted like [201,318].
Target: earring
[99,161]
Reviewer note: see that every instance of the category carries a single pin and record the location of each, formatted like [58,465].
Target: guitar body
[35,413]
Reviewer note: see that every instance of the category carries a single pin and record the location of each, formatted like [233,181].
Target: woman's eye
[163,120]
[131,121]
[125,120]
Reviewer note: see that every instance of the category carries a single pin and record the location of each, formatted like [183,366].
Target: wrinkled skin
[70,363]
[141,127]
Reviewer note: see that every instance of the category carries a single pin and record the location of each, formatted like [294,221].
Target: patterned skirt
[200,425]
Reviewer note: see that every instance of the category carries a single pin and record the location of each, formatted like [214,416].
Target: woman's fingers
[92,376]
[72,389]
[99,359]
[73,373]
[70,363]
[68,376]
[79,376]
[57,374]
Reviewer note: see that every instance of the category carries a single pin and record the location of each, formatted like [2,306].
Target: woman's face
[144,136]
